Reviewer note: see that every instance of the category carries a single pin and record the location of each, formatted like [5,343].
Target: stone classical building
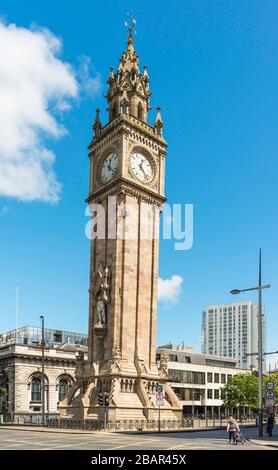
[21,370]
[198,379]
[126,194]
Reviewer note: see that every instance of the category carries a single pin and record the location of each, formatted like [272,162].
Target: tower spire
[128,88]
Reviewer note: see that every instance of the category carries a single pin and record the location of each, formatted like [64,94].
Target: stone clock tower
[127,168]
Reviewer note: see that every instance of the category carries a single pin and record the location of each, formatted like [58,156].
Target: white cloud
[35,87]
[169,290]
[90,85]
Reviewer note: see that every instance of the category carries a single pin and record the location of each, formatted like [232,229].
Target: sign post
[159,403]
[269,394]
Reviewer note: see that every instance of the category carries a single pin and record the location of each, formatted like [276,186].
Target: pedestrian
[270,424]
[232,428]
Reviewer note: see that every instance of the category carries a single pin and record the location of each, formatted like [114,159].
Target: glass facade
[29,335]
[187,376]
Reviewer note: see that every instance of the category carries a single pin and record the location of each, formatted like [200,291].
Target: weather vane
[131,24]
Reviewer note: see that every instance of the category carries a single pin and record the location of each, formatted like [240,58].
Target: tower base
[130,399]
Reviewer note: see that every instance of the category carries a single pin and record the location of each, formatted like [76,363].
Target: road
[13,439]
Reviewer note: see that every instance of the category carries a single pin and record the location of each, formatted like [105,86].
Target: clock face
[109,167]
[141,167]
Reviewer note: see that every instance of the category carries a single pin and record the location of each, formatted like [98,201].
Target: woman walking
[232,428]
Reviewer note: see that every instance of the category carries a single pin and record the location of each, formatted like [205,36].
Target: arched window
[63,388]
[36,390]
[140,111]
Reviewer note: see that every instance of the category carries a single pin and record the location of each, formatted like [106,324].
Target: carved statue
[80,363]
[164,361]
[116,359]
[101,312]
[103,284]
[102,295]
[116,353]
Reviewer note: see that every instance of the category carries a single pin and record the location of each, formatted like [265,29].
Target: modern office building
[21,370]
[231,330]
[198,379]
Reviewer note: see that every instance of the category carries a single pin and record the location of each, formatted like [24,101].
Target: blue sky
[213,67]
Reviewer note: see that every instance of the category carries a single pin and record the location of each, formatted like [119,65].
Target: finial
[130,26]
[97,124]
[111,76]
[158,123]
[145,73]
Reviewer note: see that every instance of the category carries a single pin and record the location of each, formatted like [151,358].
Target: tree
[241,390]
[3,391]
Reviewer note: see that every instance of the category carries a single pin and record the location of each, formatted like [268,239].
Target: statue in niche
[101,312]
[102,296]
[103,284]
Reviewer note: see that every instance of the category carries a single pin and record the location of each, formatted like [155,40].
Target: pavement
[266,440]
[15,438]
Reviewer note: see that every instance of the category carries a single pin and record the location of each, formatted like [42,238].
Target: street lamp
[43,379]
[259,288]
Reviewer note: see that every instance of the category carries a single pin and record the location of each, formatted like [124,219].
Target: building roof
[31,336]
[182,354]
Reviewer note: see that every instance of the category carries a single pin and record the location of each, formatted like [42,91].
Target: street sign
[269,394]
[270,385]
[159,399]
[159,402]
[269,403]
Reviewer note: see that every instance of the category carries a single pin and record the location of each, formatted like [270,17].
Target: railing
[220,422]
[123,425]
[120,425]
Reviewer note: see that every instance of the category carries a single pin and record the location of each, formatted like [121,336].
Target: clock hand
[141,167]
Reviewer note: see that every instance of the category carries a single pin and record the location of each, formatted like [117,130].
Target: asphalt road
[12,439]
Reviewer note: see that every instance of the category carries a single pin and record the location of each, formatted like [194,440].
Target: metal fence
[123,425]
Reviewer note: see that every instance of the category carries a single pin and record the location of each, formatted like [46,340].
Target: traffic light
[100,399]
[159,388]
[106,399]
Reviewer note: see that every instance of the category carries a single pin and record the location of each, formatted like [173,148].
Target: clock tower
[126,195]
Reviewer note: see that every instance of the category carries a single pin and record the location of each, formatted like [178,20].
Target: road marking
[11,445]
[57,447]
[133,444]
[176,447]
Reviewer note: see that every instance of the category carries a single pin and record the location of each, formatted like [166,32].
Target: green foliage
[242,390]
[3,391]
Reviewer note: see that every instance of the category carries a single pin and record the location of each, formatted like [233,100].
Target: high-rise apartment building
[231,330]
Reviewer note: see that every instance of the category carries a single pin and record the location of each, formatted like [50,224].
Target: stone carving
[80,363]
[164,364]
[116,359]
[102,296]
[103,283]
[101,312]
